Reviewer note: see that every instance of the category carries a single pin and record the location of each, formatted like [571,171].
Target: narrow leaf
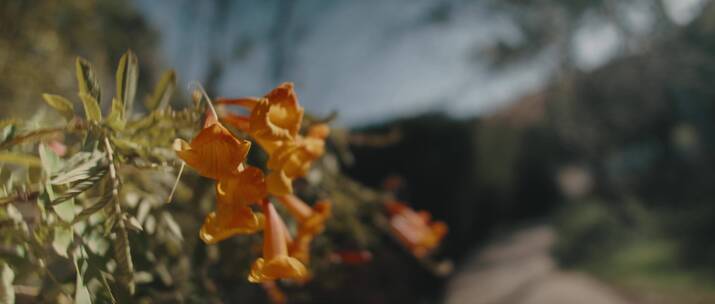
[7,133]
[80,171]
[172,225]
[62,240]
[51,162]
[7,291]
[127,75]
[60,104]
[162,92]
[91,107]
[116,116]
[20,159]
[87,79]
[133,224]
[81,294]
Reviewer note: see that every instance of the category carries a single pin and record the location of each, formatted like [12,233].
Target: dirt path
[520,270]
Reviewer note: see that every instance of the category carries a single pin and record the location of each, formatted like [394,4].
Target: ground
[519,269]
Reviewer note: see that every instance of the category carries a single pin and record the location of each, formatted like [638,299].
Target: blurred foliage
[39,38]
[553,24]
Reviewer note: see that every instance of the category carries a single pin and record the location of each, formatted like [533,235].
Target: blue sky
[373,60]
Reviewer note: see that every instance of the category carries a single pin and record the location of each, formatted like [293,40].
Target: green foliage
[81,211]
[61,104]
[162,92]
[127,76]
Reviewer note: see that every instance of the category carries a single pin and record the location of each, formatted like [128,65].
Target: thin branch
[122,252]
[20,197]
[32,135]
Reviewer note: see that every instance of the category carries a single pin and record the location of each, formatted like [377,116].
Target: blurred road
[519,269]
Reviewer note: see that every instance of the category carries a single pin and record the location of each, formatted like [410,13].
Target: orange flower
[229,220]
[311,222]
[415,230]
[293,159]
[246,187]
[233,214]
[277,116]
[274,123]
[276,263]
[215,153]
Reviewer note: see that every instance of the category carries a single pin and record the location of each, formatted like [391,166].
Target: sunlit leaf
[7,291]
[143,211]
[116,116]
[143,277]
[61,240]
[61,104]
[64,210]
[7,133]
[81,295]
[127,75]
[91,107]
[159,99]
[87,79]
[133,224]
[89,166]
[51,162]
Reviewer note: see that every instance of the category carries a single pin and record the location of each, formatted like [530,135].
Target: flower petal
[278,115]
[227,221]
[282,267]
[278,183]
[246,187]
[215,153]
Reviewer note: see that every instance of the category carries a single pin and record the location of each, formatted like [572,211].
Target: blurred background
[568,144]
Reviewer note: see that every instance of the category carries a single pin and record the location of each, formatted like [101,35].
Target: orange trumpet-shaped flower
[415,229]
[246,187]
[215,153]
[293,159]
[274,118]
[277,116]
[276,263]
[227,221]
[311,222]
[232,215]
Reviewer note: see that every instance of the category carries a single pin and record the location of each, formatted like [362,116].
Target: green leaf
[51,162]
[20,159]
[87,79]
[91,107]
[143,277]
[7,291]
[133,224]
[129,147]
[62,240]
[81,294]
[115,120]
[60,104]
[172,225]
[159,99]
[127,75]
[85,166]
[8,132]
